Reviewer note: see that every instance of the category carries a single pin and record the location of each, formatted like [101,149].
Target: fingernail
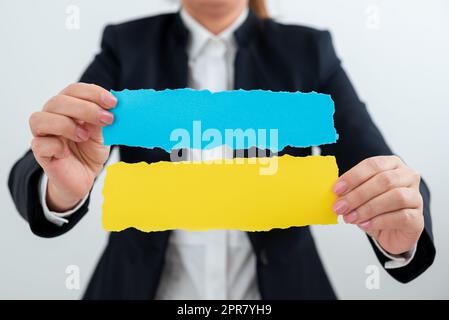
[350,217]
[340,187]
[340,207]
[108,99]
[106,117]
[365,225]
[82,133]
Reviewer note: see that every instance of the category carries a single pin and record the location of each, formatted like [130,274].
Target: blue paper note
[187,118]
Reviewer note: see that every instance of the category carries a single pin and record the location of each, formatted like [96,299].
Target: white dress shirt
[217,264]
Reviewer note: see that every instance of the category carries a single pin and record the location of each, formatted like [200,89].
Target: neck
[215,21]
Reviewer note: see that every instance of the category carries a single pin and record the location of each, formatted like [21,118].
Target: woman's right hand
[68,142]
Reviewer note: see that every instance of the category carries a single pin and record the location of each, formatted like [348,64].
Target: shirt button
[263,257]
[216,48]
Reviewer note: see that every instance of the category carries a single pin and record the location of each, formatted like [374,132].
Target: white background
[396,52]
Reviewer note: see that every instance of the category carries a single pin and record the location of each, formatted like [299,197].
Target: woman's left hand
[381,195]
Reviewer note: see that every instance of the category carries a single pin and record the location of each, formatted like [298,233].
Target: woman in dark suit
[377,192]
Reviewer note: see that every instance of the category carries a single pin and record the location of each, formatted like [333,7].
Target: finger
[378,184]
[396,220]
[92,93]
[364,171]
[49,147]
[372,233]
[44,124]
[78,109]
[392,200]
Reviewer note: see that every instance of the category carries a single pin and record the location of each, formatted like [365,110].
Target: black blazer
[151,53]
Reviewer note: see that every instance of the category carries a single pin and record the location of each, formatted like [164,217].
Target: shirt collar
[199,35]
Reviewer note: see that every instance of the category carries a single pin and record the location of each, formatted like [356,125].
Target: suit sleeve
[359,138]
[24,177]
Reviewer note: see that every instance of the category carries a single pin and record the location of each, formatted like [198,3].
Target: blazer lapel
[169,68]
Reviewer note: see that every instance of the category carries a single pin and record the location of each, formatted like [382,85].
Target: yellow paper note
[208,195]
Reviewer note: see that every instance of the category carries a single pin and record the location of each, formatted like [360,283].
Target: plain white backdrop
[397,55]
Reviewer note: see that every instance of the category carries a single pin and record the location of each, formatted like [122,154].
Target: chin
[214,6]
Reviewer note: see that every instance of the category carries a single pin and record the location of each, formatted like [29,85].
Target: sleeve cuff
[396,260]
[58,218]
